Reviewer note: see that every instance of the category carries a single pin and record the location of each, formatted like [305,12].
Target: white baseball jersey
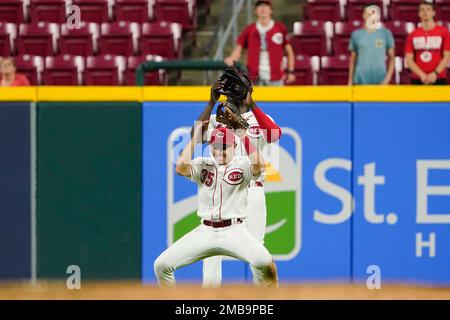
[254,133]
[222,189]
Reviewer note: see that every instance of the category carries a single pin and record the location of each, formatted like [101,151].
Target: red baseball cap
[222,136]
[268,2]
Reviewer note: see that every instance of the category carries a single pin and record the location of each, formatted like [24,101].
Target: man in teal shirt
[368,47]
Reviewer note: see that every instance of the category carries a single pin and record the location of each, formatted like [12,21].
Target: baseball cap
[268,2]
[222,136]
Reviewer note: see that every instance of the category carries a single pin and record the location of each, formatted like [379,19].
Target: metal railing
[149,66]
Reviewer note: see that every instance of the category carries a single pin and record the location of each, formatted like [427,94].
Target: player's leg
[212,272]
[240,244]
[256,212]
[257,219]
[194,246]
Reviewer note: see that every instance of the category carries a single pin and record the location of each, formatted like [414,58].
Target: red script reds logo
[235,177]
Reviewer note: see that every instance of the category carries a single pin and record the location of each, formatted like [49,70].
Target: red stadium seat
[342,34]
[323,10]
[306,69]
[31,67]
[79,42]
[442,10]
[354,8]
[38,39]
[400,32]
[48,11]
[155,78]
[405,10]
[8,34]
[12,11]
[63,70]
[104,70]
[312,38]
[119,38]
[180,11]
[334,70]
[162,39]
[97,11]
[404,73]
[134,10]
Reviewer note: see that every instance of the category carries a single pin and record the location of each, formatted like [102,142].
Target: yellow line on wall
[17,94]
[93,93]
[401,93]
[201,93]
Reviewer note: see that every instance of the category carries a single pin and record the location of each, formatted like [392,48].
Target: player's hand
[248,101]
[290,78]
[431,78]
[215,95]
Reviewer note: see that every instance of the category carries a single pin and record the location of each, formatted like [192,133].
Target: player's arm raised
[258,164]
[206,114]
[183,167]
[270,130]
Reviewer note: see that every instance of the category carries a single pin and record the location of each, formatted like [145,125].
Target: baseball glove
[236,84]
[229,117]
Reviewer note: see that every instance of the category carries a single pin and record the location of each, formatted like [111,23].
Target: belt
[222,223]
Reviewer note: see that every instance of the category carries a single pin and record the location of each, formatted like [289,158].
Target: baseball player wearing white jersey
[262,131]
[223,182]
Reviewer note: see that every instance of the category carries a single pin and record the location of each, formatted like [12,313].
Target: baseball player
[223,182]
[263,130]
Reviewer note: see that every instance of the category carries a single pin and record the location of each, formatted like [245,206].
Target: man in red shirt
[8,75]
[428,48]
[265,41]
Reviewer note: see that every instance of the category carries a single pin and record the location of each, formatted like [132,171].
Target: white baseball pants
[202,242]
[256,223]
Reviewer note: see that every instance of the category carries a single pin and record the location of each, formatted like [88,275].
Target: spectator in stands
[8,75]
[265,41]
[368,47]
[428,49]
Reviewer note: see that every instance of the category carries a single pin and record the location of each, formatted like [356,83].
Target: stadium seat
[48,11]
[180,11]
[404,73]
[162,39]
[119,38]
[31,67]
[342,34]
[97,11]
[405,10]
[306,69]
[134,10]
[154,78]
[400,32]
[312,38]
[443,10]
[63,70]
[323,10]
[354,8]
[104,70]
[334,70]
[79,42]
[8,34]
[12,11]
[38,39]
